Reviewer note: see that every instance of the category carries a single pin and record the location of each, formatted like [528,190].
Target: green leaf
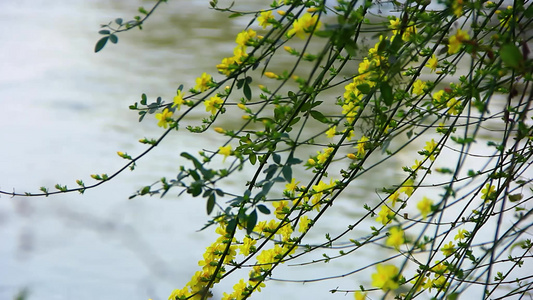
[142,10]
[319,116]
[113,38]
[452,296]
[240,83]
[515,197]
[118,21]
[287,172]
[247,91]
[324,33]
[529,12]
[195,189]
[143,99]
[364,88]
[235,15]
[511,55]
[251,222]
[231,225]
[100,44]
[211,203]
[351,47]
[386,93]
[262,208]
[145,190]
[276,157]
[104,32]
[253,158]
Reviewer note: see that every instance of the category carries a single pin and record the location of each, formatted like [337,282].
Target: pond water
[64,114]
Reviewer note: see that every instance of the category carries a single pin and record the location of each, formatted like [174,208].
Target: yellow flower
[461,234]
[264,18]
[239,289]
[417,164]
[244,36]
[164,118]
[385,215]
[241,106]
[393,198]
[418,87]
[331,132]
[183,293]
[395,238]
[213,104]
[386,277]
[291,187]
[226,151]
[361,146]
[395,25]
[271,75]
[433,62]
[178,100]
[455,41]
[409,31]
[408,187]
[488,192]
[457,8]
[424,206]
[359,296]
[431,148]
[307,23]
[304,224]
[239,53]
[202,82]
[323,157]
[448,249]
[281,208]
[454,106]
[224,66]
[438,98]
[247,245]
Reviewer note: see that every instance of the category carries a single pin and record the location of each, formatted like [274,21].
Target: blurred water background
[64,114]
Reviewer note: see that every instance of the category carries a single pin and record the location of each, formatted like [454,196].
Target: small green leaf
[231,225]
[234,15]
[364,88]
[319,116]
[118,21]
[211,203]
[142,10]
[251,222]
[104,32]
[276,157]
[386,93]
[145,190]
[253,158]
[287,173]
[511,55]
[515,197]
[143,99]
[113,39]
[100,44]
[240,83]
[351,47]
[247,91]
[262,208]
